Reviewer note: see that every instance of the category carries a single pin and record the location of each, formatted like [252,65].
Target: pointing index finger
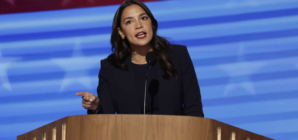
[82,94]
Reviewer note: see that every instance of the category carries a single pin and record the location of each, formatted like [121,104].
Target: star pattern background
[5,64]
[240,73]
[76,68]
[244,52]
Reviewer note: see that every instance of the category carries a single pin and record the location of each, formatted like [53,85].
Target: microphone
[151,59]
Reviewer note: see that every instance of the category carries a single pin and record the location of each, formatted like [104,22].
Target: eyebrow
[131,17]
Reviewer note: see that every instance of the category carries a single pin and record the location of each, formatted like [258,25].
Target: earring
[122,36]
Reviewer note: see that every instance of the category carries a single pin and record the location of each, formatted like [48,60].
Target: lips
[141,35]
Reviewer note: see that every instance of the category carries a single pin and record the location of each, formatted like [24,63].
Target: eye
[128,22]
[144,18]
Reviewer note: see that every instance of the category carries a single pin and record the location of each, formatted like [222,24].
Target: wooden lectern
[138,127]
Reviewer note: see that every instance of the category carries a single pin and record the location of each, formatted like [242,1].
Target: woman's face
[136,26]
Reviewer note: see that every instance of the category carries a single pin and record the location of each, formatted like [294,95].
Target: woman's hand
[89,101]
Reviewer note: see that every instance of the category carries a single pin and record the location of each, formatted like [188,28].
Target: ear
[121,33]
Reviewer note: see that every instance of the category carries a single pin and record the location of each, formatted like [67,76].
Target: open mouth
[141,35]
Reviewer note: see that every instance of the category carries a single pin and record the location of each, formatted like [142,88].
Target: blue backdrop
[245,53]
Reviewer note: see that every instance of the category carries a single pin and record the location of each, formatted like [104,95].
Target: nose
[139,25]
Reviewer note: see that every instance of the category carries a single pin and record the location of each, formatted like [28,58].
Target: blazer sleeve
[191,90]
[106,105]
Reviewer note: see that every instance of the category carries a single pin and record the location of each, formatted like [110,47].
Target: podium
[138,127]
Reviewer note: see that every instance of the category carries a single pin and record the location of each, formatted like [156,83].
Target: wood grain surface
[139,127]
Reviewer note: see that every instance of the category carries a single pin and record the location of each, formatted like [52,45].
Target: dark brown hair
[121,48]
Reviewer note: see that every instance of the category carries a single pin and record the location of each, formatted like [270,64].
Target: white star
[76,68]
[5,63]
[236,72]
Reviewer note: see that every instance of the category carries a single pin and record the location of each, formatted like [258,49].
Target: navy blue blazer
[181,96]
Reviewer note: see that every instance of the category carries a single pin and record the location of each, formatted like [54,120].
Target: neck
[138,54]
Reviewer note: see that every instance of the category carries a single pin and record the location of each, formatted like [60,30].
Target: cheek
[151,35]
[127,31]
[148,27]
[151,32]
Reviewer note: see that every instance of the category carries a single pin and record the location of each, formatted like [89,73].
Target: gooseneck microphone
[151,59]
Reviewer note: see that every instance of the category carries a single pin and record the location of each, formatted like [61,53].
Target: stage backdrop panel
[245,54]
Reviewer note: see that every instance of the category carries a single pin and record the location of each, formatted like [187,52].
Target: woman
[172,84]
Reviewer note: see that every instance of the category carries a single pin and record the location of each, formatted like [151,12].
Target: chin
[142,43]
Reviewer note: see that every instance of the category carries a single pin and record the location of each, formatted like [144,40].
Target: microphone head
[150,57]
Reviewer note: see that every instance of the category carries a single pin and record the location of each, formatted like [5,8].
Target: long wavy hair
[121,48]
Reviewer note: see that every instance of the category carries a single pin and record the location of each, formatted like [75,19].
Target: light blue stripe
[246,68]
[243,48]
[55,43]
[49,86]
[41,107]
[226,29]
[21,128]
[272,127]
[255,108]
[260,87]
